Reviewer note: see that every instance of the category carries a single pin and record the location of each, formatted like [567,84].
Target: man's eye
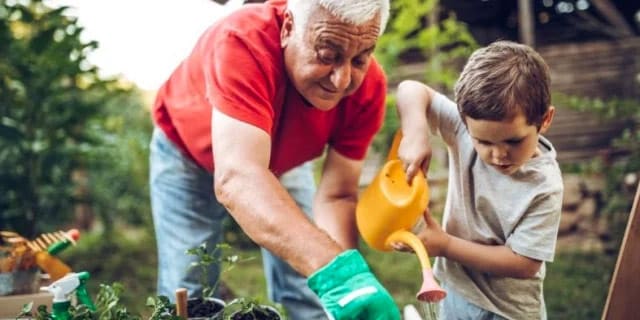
[327,56]
[359,62]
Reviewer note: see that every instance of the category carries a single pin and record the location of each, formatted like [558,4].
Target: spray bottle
[62,288]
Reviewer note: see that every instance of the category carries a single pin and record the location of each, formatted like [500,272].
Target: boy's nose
[499,154]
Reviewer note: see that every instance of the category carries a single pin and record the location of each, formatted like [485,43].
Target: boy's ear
[547,119]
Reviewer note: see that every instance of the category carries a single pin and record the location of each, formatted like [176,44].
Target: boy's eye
[484,143]
[514,142]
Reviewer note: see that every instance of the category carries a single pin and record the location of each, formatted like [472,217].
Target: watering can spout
[430,291]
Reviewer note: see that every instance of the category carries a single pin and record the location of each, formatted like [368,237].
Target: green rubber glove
[348,290]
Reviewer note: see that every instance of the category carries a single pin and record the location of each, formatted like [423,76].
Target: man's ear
[547,119]
[287,29]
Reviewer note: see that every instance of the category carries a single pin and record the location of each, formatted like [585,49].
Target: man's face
[329,61]
[507,144]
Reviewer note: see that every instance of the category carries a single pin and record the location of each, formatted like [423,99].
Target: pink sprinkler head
[430,290]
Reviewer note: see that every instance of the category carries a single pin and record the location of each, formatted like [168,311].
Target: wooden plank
[613,16]
[622,301]
[526,23]
[571,49]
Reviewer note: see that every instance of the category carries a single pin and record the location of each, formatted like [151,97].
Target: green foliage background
[58,121]
[418,30]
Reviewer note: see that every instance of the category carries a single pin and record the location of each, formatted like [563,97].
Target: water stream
[428,310]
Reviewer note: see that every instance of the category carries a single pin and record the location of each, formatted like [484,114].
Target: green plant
[108,307]
[45,101]
[220,255]
[162,308]
[63,142]
[417,29]
[249,309]
[416,26]
[240,308]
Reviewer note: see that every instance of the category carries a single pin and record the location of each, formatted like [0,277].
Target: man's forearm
[337,217]
[271,218]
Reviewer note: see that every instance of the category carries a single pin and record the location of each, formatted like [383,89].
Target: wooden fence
[595,69]
[603,69]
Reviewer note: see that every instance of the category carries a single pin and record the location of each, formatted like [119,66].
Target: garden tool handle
[412,241]
[52,265]
[181,302]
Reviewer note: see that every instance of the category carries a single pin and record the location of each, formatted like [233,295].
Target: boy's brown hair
[501,80]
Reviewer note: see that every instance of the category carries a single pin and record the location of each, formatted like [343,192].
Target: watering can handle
[393,151]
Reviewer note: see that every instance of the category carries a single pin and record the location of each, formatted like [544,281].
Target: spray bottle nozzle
[62,288]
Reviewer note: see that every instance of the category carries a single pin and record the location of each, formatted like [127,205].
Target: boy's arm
[498,260]
[413,103]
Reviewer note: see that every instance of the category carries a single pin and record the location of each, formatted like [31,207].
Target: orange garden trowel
[387,210]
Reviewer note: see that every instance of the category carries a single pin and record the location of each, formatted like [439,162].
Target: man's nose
[341,77]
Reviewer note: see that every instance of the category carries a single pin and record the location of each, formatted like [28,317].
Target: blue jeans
[455,307]
[186,214]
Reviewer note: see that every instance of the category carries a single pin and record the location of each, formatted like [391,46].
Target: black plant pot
[262,313]
[204,308]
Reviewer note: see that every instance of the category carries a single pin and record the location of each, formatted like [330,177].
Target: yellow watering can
[387,210]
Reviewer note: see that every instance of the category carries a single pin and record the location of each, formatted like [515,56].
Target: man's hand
[348,290]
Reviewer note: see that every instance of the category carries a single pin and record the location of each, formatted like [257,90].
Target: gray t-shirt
[521,211]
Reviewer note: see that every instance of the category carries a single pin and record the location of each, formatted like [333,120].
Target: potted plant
[207,306]
[239,308]
[250,309]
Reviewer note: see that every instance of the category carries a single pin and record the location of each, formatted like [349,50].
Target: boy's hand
[433,237]
[348,290]
[415,154]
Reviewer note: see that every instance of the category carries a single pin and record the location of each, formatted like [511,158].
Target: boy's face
[507,144]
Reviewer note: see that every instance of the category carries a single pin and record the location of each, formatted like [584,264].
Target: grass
[577,285]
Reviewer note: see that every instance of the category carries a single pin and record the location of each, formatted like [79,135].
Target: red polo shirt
[237,67]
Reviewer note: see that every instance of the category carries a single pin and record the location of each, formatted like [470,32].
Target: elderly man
[265,90]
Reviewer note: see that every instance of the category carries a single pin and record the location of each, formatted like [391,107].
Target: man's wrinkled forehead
[325,27]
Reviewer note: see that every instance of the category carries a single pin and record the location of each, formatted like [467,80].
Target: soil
[265,314]
[199,307]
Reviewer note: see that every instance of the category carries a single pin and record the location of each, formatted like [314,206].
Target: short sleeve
[535,236]
[238,84]
[444,118]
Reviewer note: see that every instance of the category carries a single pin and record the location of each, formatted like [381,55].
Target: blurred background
[77,79]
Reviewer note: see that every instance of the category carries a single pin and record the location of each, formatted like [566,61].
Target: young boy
[505,187]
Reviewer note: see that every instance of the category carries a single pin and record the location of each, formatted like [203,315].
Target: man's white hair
[356,12]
